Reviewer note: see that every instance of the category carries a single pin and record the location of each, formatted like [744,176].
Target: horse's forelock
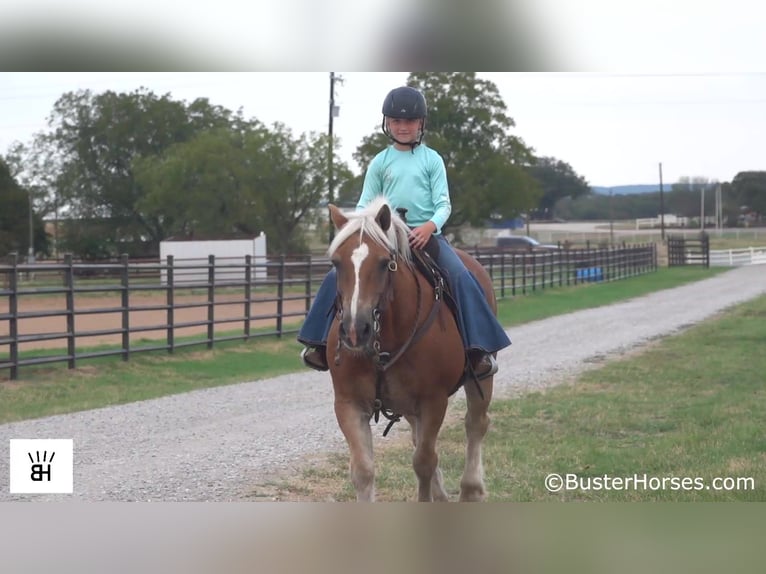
[363,222]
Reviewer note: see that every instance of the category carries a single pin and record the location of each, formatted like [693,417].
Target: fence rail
[738,257]
[70,311]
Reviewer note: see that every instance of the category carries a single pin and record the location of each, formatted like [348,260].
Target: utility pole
[662,208]
[334,111]
[611,217]
[718,209]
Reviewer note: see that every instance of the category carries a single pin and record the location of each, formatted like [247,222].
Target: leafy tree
[557,180]
[98,137]
[35,167]
[198,188]
[750,188]
[242,181]
[293,179]
[349,190]
[469,126]
[14,217]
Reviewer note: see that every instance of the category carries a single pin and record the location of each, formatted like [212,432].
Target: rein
[384,360]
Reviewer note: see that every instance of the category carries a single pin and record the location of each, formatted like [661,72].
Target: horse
[394,348]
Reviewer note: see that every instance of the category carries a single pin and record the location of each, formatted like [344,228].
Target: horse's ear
[384,217]
[337,217]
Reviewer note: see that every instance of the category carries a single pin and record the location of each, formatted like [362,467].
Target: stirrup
[471,374]
[492,367]
[314,358]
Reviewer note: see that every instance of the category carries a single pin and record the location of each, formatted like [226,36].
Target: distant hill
[629,189]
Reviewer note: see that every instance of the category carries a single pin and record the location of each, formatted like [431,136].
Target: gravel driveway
[216,444]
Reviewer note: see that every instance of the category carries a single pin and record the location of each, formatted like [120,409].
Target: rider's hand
[420,235]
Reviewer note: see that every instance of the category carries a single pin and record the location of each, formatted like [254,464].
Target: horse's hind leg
[476,425]
[355,425]
[438,492]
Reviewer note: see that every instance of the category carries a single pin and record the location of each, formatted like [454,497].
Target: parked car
[523,243]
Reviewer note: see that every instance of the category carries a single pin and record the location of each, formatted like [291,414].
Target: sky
[678,83]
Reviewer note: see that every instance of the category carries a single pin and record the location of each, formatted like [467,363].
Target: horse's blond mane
[363,222]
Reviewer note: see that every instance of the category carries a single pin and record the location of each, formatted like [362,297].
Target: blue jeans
[478,325]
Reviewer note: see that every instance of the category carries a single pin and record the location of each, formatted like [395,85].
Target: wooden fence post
[502,275]
[248,292]
[125,301]
[69,286]
[13,311]
[309,281]
[170,304]
[210,300]
[513,274]
[280,294]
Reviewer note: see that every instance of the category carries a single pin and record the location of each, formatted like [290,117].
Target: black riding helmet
[405,103]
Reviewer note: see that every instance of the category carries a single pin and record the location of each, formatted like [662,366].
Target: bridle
[384,360]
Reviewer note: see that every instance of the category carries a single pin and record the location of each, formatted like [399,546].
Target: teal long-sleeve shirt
[415,180]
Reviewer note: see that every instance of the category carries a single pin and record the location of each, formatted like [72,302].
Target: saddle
[425,261]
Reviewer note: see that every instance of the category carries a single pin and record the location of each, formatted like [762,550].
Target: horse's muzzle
[358,335]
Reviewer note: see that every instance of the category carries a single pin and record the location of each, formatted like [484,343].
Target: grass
[546,303]
[736,242]
[106,381]
[692,406]
[53,389]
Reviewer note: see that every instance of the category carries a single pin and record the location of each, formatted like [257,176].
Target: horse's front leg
[355,425]
[438,492]
[425,461]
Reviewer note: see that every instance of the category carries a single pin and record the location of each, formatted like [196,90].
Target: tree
[468,125]
[557,180]
[293,180]
[245,181]
[750,188]
[14,217]
[202,187]
[98,137]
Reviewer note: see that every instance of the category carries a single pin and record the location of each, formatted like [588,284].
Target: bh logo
[40,471]
[41,466]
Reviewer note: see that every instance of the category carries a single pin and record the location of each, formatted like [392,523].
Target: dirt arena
[111,319]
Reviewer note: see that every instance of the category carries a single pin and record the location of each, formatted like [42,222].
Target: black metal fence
[684,250]
[69,311]
[521,273]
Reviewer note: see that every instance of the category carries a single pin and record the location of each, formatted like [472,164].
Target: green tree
[200,188]
[14,217]
[469,126]
[245,181]
[557,180]
[750,188]
[98,137]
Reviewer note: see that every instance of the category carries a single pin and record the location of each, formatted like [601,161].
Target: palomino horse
[395,348]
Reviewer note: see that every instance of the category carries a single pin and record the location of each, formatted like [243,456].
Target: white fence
[738,257]
[670,220]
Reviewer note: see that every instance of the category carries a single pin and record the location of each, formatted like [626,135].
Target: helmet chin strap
[412,144]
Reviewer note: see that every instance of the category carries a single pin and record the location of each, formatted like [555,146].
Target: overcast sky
[682,82]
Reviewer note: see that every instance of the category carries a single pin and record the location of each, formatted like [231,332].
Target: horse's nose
[356,333]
